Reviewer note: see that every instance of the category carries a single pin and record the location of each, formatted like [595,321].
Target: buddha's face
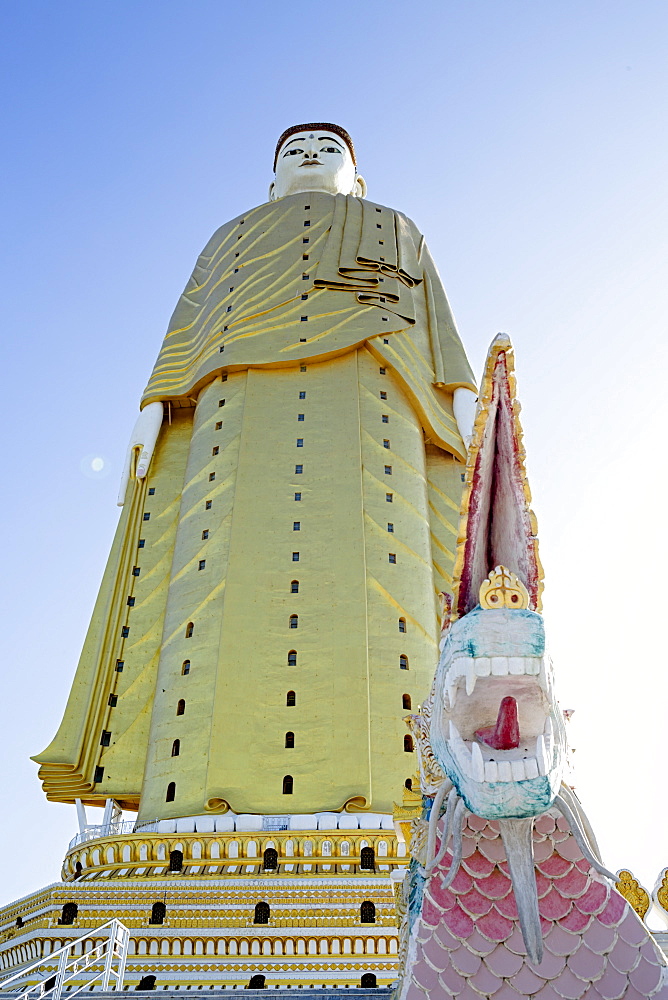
[315,161]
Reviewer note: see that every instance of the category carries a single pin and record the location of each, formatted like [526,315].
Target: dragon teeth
[483,666]
[541,755]
[477,763]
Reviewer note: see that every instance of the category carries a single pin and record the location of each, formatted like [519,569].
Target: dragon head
[496,729]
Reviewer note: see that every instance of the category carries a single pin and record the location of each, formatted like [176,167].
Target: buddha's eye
[292,152]
[330,149]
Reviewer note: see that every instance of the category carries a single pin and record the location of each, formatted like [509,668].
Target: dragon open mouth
[497,715]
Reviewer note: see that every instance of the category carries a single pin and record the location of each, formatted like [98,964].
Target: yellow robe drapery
[311,281]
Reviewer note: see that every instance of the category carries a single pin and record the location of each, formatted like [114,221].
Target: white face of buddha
[315,161]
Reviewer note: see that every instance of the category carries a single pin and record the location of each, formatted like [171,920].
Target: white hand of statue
[464,404]
[142,443]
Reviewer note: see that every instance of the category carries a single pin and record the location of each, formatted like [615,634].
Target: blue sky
[528,141]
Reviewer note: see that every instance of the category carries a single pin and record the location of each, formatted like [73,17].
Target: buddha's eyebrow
[298,139]
[331,138]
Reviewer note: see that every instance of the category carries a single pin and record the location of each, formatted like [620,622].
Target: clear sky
[526,138]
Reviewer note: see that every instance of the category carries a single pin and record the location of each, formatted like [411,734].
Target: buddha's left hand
[142,445]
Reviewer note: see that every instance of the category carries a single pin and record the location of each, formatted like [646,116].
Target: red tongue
[505,735]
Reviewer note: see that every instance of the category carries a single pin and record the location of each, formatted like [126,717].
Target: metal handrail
[114,947]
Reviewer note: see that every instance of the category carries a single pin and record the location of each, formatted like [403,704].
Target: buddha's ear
[359,187]
[272,189]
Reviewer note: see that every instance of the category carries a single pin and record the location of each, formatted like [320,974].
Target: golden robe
[334,301]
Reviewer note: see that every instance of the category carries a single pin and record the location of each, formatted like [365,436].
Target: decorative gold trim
[503,589]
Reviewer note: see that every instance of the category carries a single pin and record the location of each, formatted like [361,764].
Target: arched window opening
[185,667]
[403,662]
[290,740]
[175,861]
[69,913]
[190,628]
[146,983]
[406,701]
[287,784]
[408,744]
[291,698]
[257,982]
[176,748]
[408,783]
[294,587]
[171,791]
[262,913]
[368,858]
[270,859]
[292,658]
[368,981]
[78,869]
[294,621]
[19,921]
[181,707]
[367,912]
[402,624]
[158,913]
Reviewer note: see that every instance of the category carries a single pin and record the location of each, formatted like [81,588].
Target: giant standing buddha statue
[271,606]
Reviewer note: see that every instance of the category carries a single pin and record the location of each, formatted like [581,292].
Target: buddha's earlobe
[359,187]
[272,191]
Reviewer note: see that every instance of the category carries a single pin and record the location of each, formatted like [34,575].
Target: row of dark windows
[262,913]
[288,780]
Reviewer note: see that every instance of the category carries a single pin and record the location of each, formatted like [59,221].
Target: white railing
[119,828]
[112,952]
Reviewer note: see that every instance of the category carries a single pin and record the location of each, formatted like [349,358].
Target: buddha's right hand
[141,446]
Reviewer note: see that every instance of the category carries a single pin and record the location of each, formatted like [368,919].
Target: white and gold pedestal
[329,921]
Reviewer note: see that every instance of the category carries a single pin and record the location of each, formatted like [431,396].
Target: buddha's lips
[505,735]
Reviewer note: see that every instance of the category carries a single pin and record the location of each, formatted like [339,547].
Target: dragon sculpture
[506,895]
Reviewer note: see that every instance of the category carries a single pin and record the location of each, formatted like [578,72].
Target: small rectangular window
[303,319]
[305,297]
[305,240]
[205,534]
[125,632]
[232,288]
[223,378]
[379,225]
[296,525]
[136,570]
[385,418]
[381,371]
[229,309]
[99,774]
[298,496]
[463,475]
[151,491]
[141,543]
[304,256]
[207,505]
[392,557]
[300,442]
[390,527]
[388,470]
[299,469]
[305,276]
[221,402]
[119,666]
[295,557]
[389,497]
[214,451]
[113,700]
[219,425]
[303,368]
[385,340]
[307,222]
[386,442]
[383,395]
[302,395]
[147,516]
[302,340]
[202,564]
[212,476]
[131,602]
[105,739]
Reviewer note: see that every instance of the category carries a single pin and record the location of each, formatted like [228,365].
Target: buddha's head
[316,157]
